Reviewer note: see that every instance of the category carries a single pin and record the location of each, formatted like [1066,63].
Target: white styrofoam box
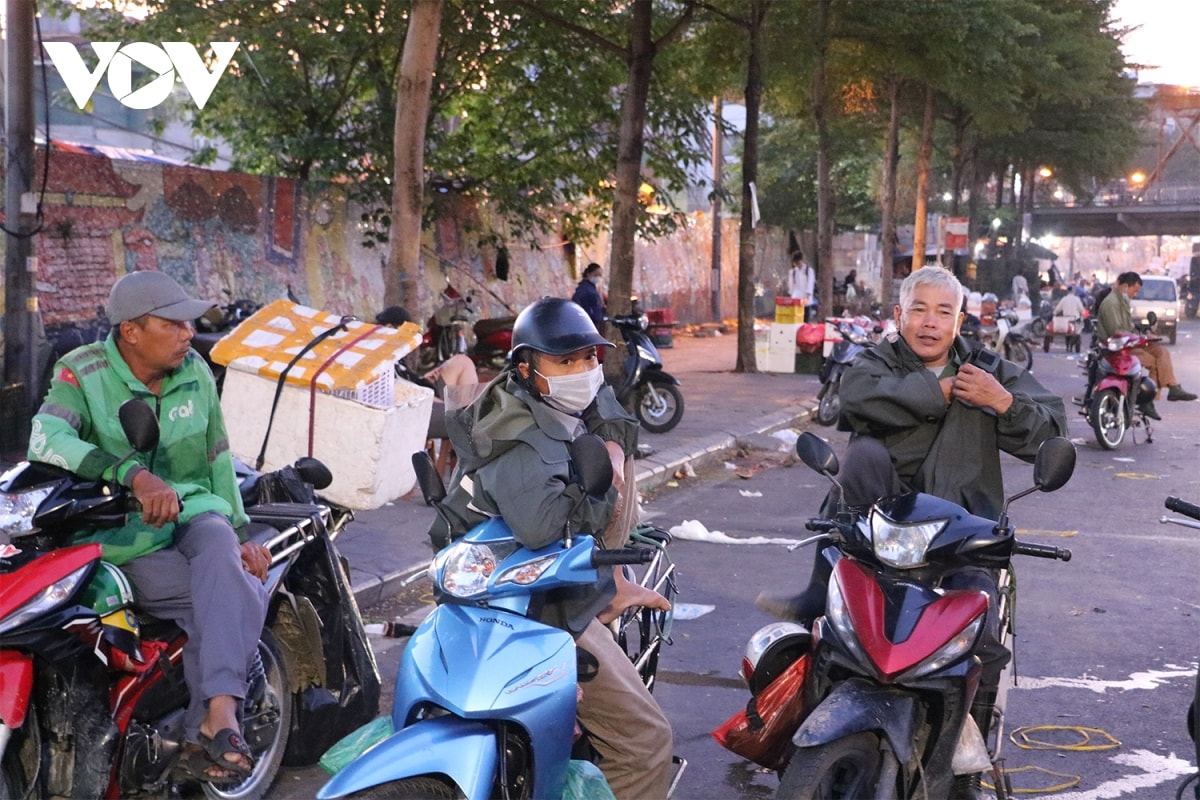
[368,450]
[776,361]
[783,337]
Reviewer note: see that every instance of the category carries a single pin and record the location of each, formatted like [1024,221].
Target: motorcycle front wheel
[1108,418]
[1037,328]
[659,406]
[410,789]
[845,769]
[1019,352]
[829,402]
[265,724]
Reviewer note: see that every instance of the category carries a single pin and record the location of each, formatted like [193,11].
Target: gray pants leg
[200,584]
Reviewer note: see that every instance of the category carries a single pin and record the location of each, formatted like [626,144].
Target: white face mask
[595,279]
[573,393]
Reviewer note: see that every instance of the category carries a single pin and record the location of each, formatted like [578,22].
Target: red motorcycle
[1118,386]
[455,328]
[92,694]
[882,698]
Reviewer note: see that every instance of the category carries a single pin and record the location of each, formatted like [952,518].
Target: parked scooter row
[881,694]
[455,327]
[92,695]
[857,334]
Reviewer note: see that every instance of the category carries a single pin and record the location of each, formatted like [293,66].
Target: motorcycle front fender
[658,375]
[461,749]
[16,687]
[857,706]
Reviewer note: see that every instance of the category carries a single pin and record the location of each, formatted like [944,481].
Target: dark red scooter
[1119,387]
[455,328]
[883,696]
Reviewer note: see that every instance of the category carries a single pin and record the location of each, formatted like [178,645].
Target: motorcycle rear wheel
[1107,416]
[1037,328]
[410,789]
[659,406]
[1019,352]
[845,769]
[265,726]
[829,402]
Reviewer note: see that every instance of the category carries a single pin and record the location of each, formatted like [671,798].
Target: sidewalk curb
[653,471]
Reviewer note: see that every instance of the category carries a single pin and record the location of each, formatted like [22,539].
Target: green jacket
[952,451]
[77,428]
[1114,314]
[513,462]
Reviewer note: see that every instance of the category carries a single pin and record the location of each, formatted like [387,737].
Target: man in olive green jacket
[180,551]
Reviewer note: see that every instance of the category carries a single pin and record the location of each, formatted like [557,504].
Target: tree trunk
[412,112]
[746,358]
[825,194]
[923,182]
[891,160]
[631,143]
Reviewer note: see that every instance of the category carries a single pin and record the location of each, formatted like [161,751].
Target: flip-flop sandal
[195,765]
[227,740]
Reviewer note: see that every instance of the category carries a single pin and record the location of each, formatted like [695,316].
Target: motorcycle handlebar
[1182,507]
[821,525]
[622,555]
[1042,551]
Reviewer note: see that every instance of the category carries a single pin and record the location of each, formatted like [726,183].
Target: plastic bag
[355,743]
[585,781]
[762,732]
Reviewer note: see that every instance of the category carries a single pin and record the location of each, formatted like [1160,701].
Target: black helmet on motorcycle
[555,326]
[770,651]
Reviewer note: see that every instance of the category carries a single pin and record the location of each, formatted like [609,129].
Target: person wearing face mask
[514,463]
[587,294]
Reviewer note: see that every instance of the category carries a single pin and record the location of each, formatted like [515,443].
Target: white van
[1159,294]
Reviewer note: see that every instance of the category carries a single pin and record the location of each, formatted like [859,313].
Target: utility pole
[22,323]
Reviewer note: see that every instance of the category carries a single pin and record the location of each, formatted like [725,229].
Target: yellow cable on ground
[1085,745]
[1072,780]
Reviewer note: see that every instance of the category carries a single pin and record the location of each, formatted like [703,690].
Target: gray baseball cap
[154,293]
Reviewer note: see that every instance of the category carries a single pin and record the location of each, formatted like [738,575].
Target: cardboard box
[368,450]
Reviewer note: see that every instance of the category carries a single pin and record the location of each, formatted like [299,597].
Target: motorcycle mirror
[313,472]
[1054,464]
[433,489]
[594,467]
[1151,318]
[816,453]
[139,424]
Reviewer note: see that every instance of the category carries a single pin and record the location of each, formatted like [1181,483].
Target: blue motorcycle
[486,692]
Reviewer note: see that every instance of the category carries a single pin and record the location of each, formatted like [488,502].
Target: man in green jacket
[1116,314]
[180,552]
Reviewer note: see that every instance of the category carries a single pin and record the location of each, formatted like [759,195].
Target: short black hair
[1129,279]
[590,268]
[393,315]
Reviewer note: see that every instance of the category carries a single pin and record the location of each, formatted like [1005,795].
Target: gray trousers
[200,584]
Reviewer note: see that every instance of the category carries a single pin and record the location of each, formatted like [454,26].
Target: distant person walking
[587,294]
[801,283]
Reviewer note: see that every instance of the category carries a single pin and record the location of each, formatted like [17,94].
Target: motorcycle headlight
[951,651]
[46,600]
[839,620]
[643,322]
[467,566]
[17,509]
[903,546]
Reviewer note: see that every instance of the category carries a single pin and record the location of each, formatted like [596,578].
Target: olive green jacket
[949,450]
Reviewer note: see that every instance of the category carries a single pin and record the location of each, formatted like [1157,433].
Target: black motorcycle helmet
[554,326]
